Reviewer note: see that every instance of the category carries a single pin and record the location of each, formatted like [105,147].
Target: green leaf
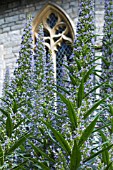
[99,76]
[73,79]
[18,167]
[111,118]
[80,94]
[94,89]
[109,166]
[111,109]
[87,132]
[68,68]
[99,128]
[38,151]
[18,143]
[63,89]
[75,157]
[93,61]
[59,138]
[14,106]
[105,154]
[88,73]
[71,112]
[42,165]
[97,153]
[93,108]
[9,126]
[19,123]
[4,100]
[4,112]
[10,95]
[78,64]
[1,156]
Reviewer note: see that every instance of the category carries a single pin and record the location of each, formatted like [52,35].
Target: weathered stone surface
[16,27]
[6,29]
[11,19]
[2,21]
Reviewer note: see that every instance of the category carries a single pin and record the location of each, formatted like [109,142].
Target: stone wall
[13,14]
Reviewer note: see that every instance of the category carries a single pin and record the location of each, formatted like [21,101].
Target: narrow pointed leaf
[97,153]
[99,128]
[105,154]
[4,112]
[18,143]
[59,137]
[71,112]
[15,106]
[78,64]
[93,108]
[98,76]
[73,79]
[75,157]
[18,167]
[19,123]
[88,73]
[1,156]
[4,100]
[109,166]
[68,68]
[10,95]
[80,94]
[87,132]
[94,89]
[9,126]
[42,165]
[93,61]
[63,89]
[111,109]
[38,151]
[111,119]
[106,62]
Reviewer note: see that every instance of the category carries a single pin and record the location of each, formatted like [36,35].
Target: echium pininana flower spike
[107,52]
[39,69]
[6,87]
[107,71]
[23,68]
[83,51]
[83,56]
[20,83]
[6,81]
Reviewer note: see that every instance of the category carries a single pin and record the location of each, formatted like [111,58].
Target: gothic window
[58,35]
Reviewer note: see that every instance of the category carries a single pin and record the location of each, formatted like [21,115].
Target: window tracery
[58,35]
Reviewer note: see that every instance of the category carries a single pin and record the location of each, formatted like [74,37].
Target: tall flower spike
[6,81]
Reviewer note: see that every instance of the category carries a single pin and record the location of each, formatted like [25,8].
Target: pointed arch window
[58,35]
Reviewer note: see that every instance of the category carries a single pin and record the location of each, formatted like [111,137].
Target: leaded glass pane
[63,50]
[52,19]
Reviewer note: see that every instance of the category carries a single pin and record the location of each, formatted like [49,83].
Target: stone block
[6,29]
[69,10]
[2,21]
[1,30]
[66,6]
[22,16]
[3,37]
[73,3]
[16,27]
[11,19]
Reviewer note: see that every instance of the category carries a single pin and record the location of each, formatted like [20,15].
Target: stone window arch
[58,34]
